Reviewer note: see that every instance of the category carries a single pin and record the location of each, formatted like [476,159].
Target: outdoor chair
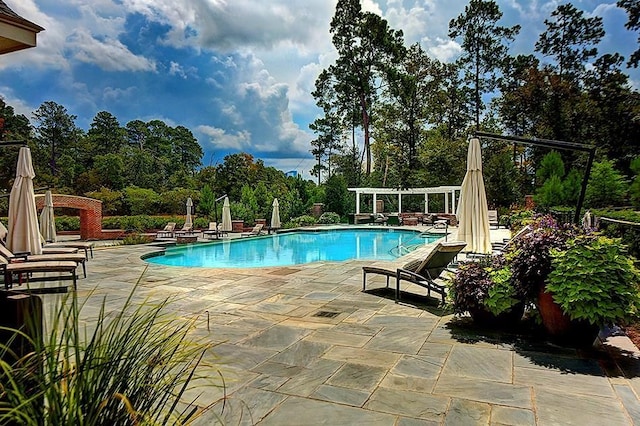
[87,246]
[421,272]
[493,219]
[26,269]
[379,218]
[187,228]
[257,230]
[213,231]
[168,230]
[10,257]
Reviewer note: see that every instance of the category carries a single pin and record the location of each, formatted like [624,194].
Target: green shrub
[595,280]
[112,201]
[133,239]
[329,218]
[606,186]
[67,223]
[299,221]
[141,201]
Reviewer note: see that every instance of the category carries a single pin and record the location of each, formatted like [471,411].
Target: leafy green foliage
[595,280]
[530,259]
[502,295]
[141,200]
[484,284]
[606,186]
[299,221]
[634,188]
[135,238]
[134,368]
[67,223]
[329,218]
[112,201]
[336,195]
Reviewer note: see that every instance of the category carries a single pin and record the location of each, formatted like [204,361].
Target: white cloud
[445,50]
[118,94]
[20,106]
[108,54]
[220,139]
[176,69]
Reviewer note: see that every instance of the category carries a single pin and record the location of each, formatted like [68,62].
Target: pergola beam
[549,143]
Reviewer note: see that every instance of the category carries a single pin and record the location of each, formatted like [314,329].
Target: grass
[134,368]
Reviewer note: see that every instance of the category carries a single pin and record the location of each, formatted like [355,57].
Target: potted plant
[594,282]
[484,289]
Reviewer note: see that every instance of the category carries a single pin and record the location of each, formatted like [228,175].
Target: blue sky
[238,73]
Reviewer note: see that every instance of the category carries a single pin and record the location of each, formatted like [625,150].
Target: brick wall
[90,214]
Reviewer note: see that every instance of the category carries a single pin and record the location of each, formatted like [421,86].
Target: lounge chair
[213,231]
[379,218]
[493,219]
[421,272]
[257,230]
[168,230]
[87,246]
[187,228]
[26,269]
[11,257]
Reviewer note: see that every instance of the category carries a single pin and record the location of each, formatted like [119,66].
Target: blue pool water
[294,248]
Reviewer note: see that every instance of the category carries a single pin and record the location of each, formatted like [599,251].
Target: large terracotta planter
[561,327]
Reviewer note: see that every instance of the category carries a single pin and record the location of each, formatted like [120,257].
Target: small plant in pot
[484,289]
[594,282]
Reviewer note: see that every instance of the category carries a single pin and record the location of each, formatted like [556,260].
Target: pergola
[449,193]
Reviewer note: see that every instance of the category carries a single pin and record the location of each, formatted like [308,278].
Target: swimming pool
[295,248]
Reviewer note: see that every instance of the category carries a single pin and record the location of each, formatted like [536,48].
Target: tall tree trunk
[365,127]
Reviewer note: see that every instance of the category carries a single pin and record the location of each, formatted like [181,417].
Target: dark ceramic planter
[560,327]
[504,320]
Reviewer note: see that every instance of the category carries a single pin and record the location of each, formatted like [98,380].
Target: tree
[606,186]
[105,136]
[56,132]
[483,45]
[12,127]
[570,39]
[327,127]
[207,198]
[366,47]
[633,10]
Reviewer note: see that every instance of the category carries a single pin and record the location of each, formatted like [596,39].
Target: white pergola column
[453,201]
[426,203]
[357,202]
[399,203]
[375,203]
[446,203]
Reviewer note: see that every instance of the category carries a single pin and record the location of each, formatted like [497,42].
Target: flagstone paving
[304,345]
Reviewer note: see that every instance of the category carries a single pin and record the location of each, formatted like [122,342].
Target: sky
[237,73]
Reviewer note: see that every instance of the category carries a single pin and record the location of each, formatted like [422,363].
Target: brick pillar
[237,226]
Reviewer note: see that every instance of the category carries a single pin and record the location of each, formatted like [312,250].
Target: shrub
[530,259]
[606,186]
[329,218]
[595,280]
[141,201]
[67,223]
[483,285]
[299,221]
[112,201]
[133,239]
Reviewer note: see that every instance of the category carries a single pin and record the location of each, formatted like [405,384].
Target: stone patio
[303,345]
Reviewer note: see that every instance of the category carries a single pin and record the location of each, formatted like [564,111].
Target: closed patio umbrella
[24,232]
[275,215]
[473,212]
[227,226]
[47,219]
[188,222]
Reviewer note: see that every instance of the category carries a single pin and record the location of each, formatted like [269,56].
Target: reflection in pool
[295,248]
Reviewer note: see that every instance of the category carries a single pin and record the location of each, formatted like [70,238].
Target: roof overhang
[16,33]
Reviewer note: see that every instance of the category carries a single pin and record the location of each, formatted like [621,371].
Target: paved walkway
[304,345]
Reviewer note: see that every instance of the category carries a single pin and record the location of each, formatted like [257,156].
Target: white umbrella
[473,212]
[47,219]
[275,214]
[24,233]
[227,226]
[188,222]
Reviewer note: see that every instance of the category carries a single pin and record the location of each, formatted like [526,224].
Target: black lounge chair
[11,257]
[421,272]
